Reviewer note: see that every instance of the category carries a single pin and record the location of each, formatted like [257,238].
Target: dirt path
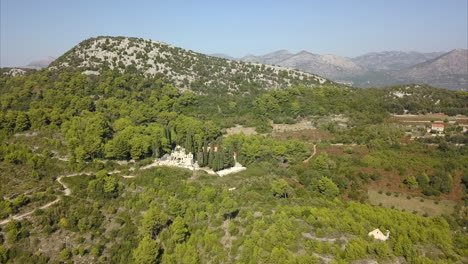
[22,216]
[312,155]
[66,192]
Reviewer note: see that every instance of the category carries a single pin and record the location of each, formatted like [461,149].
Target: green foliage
[96,251]
[327,187]
[85,135]
[169,215]
[228,207]
[280,188]
[179,230]
[251,149]
[147,251]
[411,182]
[3,254]
[153,222]
[65,254]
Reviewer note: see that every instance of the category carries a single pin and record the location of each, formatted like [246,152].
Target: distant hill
[39,64]
[271,58]
[184,68]
[449,70]
[222,56]
[393,60]
[329,66]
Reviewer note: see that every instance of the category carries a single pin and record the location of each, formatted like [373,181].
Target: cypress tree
[228,159]
[211,157]
[200,157]
[167,133]
[189,143]
[215,161]
[220,162]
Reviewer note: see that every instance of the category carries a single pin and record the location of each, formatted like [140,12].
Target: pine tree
[147,251]
[179,230]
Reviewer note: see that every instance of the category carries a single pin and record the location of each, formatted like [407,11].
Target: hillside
[107,156]
[330,66]
[271,58]
[183,68]
[448,70]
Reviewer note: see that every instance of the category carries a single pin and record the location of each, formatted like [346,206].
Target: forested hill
[184,68]
[80,156]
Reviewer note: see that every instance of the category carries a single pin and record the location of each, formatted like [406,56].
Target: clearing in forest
[420,205]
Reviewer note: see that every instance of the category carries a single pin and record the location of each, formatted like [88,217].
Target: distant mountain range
[446,70]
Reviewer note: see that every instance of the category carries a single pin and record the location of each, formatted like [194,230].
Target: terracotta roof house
[438,127]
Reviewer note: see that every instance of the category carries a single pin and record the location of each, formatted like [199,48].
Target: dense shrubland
[282,210]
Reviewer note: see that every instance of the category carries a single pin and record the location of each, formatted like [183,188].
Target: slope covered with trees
[60,121]
[184,68]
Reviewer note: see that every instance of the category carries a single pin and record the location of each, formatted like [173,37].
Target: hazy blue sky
[36,29]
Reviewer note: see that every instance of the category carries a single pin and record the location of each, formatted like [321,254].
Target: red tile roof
[438,125]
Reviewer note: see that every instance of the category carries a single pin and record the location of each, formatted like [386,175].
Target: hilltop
[184,68]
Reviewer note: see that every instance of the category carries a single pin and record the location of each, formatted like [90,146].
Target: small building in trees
[178,158]
[438,127]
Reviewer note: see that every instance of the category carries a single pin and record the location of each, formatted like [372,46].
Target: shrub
[65,254]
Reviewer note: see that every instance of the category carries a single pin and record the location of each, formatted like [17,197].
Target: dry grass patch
[421,206]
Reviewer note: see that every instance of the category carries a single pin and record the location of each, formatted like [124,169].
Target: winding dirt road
[312,155]
[66,192]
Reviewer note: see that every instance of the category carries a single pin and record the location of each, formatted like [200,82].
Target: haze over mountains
[445,70]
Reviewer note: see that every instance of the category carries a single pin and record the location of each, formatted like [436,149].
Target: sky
[33,29]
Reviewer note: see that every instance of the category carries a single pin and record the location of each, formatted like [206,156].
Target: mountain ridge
[185,68]
[374,69]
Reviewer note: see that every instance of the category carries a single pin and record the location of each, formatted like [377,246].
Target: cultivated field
[427,119]
[420,205]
